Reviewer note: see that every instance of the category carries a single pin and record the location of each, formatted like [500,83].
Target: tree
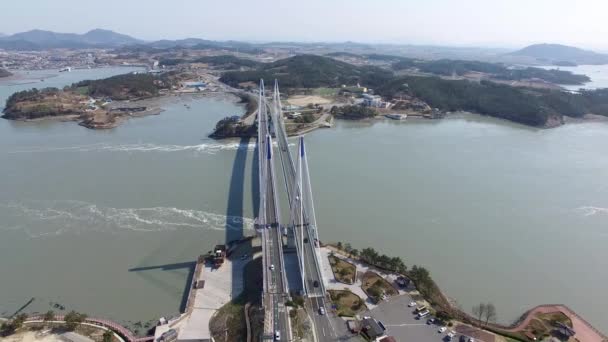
[479,311]
[369,255]
[7,328]
[107,336]
[49,316]
[420,275]
[73,319]
[19,320]
[339,245]
[348,248]
[10,327]
[354,252]
[344,272]
[490,313]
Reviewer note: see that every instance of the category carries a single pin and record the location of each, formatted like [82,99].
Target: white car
[471,339]
[277,335]
[272,267]
[442,329]
[412,304]
[322,311]
[451,335]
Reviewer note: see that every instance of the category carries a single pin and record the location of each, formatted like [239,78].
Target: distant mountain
[107,37]
[39,39]
[561,54]
[196,43]
[2,35]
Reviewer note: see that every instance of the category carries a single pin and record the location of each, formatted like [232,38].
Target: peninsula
[95,104]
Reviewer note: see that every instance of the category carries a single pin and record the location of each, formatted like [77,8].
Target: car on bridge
[277,335]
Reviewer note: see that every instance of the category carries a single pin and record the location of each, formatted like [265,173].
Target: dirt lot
[303,100]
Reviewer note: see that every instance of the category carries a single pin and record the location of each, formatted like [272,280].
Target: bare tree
[479,311]
[490,313]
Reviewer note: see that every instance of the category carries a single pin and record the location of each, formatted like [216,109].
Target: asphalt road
[327,327]
[276,288]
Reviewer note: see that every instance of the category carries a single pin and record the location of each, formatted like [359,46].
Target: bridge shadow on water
[235,229]
[189,266]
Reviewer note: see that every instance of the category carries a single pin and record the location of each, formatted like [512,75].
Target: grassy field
[347,303]
[344,271]
[376,286]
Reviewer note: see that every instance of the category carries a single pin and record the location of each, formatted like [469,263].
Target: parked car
[412,304]
[423,314]
[442,329]
[430,321]
[471,339]
[462,338]
[451,335]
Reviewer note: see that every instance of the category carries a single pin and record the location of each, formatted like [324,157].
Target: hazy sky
[496,23]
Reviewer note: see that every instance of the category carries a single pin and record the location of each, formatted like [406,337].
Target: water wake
[43,218]
[209,148]
[591,211]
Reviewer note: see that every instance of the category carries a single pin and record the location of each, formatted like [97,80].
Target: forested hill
[449,67]
[527,106]
[535,107]
[310,71]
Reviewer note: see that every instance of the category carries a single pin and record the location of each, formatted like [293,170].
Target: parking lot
[400,321]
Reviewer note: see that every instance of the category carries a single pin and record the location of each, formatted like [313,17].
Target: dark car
[315,283]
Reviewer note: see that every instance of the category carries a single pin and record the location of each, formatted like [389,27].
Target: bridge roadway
[295,190]
[275,284]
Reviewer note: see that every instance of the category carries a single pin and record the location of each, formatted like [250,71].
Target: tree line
[353,112]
